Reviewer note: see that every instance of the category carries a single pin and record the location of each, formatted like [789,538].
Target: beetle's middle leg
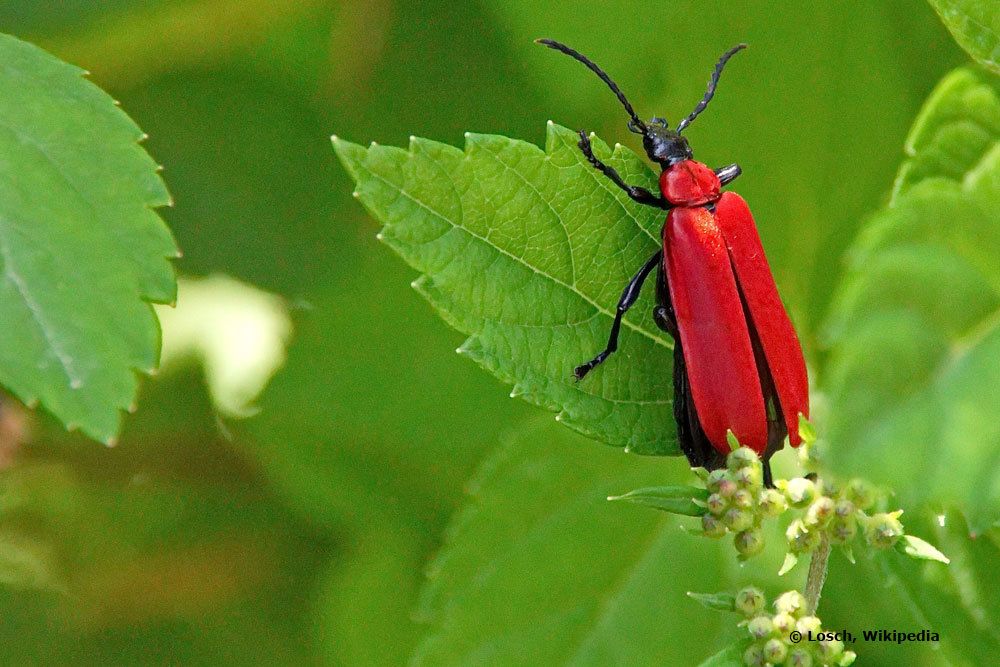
[627,300]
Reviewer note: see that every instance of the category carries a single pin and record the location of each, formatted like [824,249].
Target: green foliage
[975,24]
[536,299]
[915,349]
[538,569]
[673,499]
[915,344]
[81,250]
[954,131]
[366,436]
[731,656]
[960,601]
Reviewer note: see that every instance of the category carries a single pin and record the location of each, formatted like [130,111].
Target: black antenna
[635,124]
[711,87]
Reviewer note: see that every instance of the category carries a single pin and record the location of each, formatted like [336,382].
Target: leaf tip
[790,561]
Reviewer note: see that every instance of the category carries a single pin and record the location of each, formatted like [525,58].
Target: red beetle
[738,363]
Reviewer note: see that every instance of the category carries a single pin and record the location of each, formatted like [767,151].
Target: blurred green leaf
[540,569]
[731,656]
[81,249]
[155,568]
[960,601]
[365,599]
[915,350]
[975,24]
[957,127]
[26,563]
[859,596]
[535,299]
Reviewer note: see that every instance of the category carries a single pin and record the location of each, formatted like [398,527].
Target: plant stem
[817,575]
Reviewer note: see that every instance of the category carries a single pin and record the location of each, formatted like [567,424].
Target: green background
[301,535]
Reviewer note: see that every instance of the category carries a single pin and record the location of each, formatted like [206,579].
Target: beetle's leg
[628,299]
[728,173]
[641,195]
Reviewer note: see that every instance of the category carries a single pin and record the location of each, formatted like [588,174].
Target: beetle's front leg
[728,173]
[641,195]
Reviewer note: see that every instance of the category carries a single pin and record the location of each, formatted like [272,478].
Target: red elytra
[738,364]
[722,292]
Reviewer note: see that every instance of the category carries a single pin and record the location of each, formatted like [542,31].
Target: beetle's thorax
[689,183]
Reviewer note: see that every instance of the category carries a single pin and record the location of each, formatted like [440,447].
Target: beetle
[738,363]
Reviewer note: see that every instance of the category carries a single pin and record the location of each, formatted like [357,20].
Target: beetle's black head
[663,145]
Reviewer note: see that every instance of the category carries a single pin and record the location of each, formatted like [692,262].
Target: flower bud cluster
[782,638]
[738,501]
[836,512]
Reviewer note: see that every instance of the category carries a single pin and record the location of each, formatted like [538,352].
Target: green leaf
[731,656]
[915,356]
[975,25]
[82,253]
[961,601]
[914,547]
[673,499]
[716,601]
[526,251]
[540,569]
[791,560]
[957,126]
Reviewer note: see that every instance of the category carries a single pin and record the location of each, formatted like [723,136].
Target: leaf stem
[817,575]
